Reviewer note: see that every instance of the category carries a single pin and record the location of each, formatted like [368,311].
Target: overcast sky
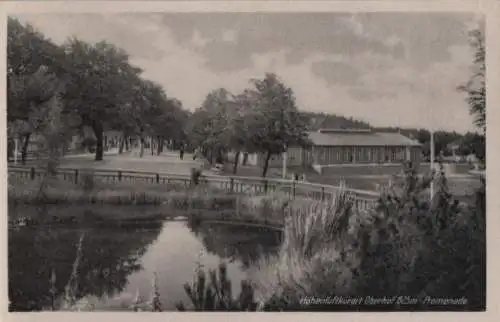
[373,67]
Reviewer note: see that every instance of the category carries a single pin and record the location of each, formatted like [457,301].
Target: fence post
[157,178]
[32,173]
[119,176]
[232,184]
[237,205]
[322,194]
[76,176]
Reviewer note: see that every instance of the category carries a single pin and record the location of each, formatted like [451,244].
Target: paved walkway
[167,162]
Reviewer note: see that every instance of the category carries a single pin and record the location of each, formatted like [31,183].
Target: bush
[406,246]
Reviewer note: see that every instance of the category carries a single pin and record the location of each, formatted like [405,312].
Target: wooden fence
[244,185]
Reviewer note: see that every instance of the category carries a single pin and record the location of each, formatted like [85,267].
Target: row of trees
[96,83]
[264,118]
[101,89]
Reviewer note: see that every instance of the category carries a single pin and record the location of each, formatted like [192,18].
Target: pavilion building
[330,147]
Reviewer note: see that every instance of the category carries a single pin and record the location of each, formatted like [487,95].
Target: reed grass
[214,293]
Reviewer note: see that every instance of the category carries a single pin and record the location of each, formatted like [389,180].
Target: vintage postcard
[247,156]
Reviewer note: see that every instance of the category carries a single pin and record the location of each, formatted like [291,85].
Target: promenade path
[167,162]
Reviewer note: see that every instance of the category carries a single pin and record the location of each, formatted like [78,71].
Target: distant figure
[296,177]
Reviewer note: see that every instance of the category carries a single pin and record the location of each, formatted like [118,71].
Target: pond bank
[125,216]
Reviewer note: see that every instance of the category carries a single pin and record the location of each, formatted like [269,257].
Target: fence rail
[234,184]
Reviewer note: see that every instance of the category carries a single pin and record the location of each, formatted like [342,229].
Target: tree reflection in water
[109,256]
[237,243]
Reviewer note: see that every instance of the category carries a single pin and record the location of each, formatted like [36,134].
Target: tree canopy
[98,88]
[263,118]
[475,87]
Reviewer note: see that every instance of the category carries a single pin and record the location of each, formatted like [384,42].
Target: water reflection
[237,243]
[117,262]
[109,256]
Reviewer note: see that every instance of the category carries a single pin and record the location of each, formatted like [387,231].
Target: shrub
[406,246]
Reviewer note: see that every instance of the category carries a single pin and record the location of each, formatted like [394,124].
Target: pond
[116,264]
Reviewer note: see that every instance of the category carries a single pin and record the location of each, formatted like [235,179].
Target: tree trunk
[141,141]
[10,149]
[266,164]
[211,156]
[122,144]
[160,146]
[24,151]
[236,161]
[99,133]
[127,143]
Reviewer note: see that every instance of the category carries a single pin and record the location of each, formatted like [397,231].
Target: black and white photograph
[246,161]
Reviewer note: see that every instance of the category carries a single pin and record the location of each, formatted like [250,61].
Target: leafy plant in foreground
[214,293]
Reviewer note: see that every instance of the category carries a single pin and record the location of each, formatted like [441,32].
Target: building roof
[359,138]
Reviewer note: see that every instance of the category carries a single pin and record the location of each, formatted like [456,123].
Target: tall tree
[27,98]
[238,124]
[274,121]
[35,70]
[148,97]
[209,125]
[167,121]
[163,117]
[475,88]
[99,79]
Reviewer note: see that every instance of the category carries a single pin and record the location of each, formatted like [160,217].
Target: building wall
[324,155]
[251,159]
[295,157]
[328,155]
